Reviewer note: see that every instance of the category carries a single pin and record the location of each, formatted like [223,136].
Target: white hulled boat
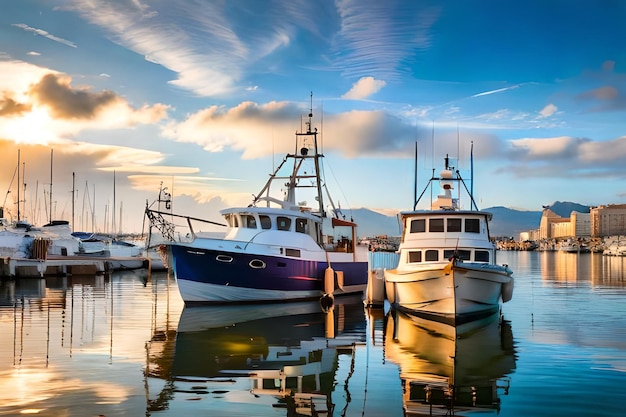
[276,249]
[447,269]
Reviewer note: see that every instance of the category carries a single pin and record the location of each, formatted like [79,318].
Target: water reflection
[446,369]
[282,355]
[67,341]
[592,269]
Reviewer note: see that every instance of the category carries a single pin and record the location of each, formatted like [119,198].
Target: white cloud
[554,147]
[364,88]
[548,110]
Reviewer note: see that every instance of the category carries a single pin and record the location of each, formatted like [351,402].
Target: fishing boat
[277,249]
[447,268]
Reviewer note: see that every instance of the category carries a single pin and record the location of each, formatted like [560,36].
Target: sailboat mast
[73,197]
[113,210]
[19,185]
[93,210]
[51,159]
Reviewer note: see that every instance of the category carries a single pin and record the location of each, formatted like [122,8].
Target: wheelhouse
[286,222]
[445,235]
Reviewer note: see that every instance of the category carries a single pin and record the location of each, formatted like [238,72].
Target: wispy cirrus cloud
[210,47]
[373,41]
[45,34]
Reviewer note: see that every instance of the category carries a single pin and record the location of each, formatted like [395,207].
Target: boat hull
[207,275]
[449,293]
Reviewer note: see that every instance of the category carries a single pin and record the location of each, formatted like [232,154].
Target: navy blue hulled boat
[276,249]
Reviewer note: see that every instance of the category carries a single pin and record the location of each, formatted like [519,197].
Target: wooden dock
[68,265]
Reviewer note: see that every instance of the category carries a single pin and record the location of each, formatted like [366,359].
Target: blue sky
[205,97]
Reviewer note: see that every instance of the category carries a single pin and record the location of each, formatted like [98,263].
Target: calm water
[125,345]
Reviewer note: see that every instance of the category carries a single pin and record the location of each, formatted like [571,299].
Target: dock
[67,265]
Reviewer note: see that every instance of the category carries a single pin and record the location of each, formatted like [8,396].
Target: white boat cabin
[249,221]
[437,236]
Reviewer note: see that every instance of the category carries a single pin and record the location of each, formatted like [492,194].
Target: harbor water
[125,345]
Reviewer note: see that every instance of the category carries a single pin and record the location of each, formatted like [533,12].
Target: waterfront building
[553,226]
[581,224]
[609,220]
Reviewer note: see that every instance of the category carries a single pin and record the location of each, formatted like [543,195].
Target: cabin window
[292,252]
[435,225]
[481,256]
[415,256]
[233,221]
[283,223]
[418,226]
[432,255]
[301,226]
[248,221]
[266,222]
[472,225]
[454,225]
[463,255]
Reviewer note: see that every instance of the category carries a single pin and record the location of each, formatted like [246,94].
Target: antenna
[415,179]
[308,124]
[472,170]
[432,139]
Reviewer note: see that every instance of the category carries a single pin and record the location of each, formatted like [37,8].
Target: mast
[51,158]
[472,171]
[415,179]
[19,185]
[73,188]
[93,210]
[113,210]
[24,184]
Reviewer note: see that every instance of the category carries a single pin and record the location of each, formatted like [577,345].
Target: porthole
[224,258]
[257,264]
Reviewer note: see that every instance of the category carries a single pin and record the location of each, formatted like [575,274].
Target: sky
[107,101]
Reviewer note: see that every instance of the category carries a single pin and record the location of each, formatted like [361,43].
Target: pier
[67,265]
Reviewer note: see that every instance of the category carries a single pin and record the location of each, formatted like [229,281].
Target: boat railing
[167,228]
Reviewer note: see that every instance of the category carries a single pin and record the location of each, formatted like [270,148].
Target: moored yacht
[447,269]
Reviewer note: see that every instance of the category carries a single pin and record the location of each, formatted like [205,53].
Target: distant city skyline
[204,98]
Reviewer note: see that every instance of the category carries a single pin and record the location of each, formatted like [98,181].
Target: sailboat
[276,249]
[22,240]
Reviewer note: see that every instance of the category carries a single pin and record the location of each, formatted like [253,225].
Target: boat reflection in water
[278,355]
[450,369]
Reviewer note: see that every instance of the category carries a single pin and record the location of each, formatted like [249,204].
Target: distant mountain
[505,222]
[371,223]
[510,222]
[565,208]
